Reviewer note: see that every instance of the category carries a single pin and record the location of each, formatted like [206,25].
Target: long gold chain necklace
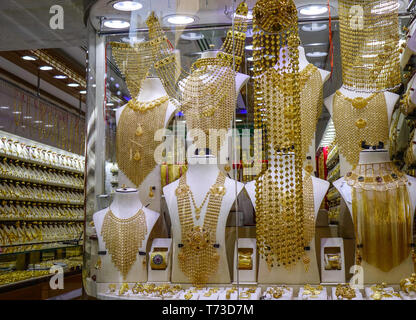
[123,238]
[279,196]
[309,215]
[198,258]
[381,213]
[369,44]
[367,121]
[135,143]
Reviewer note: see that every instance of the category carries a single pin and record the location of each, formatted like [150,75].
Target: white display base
[287,294]
[91,287]
[406,296]
[160,275]
[322,295]
[245,276]
[369,292]
[358,295]
[332,276]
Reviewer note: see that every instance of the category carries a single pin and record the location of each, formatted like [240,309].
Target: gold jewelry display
[135,141]
[312,292]
[198,258]
[381,291]
[367,121]
[123,289]
[381,214]
[369,44]
[158,259]
[245,259]
[408,285]
[279,196]
[309,216]
[345,292]
[123,238]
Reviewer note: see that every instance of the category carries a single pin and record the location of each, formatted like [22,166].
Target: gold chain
[367,121]
[198,259]
[309,215]
[123,238]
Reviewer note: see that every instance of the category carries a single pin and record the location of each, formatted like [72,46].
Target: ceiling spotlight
[48,125]
[313,10]
[314,27]
[29,58]
[83,92]
[60,76]
[127,6]
[179,19]
[317,54]
[45,68]
[27,117]
[192,36]
[73,85]
[116,24]
[16,112]
[110,104]
[4,107]
[37,121]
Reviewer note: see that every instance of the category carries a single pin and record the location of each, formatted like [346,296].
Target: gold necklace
[279,196]
[123,238]
[309,215]
[135,141]
[198,258]
[381,214]
[369,45]
[367,121]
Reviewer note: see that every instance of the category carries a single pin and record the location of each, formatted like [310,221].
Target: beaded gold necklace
[198,258]
[359,119]
[123,238]
[279,196]
[381,213]
[135,143]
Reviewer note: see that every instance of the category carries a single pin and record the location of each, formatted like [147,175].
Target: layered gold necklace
[123,238]
[279,196]
[381,213]
[198,257]
[135,143]
[369,44]
[357,120]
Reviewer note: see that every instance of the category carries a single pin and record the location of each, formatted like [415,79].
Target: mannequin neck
[374,156]
[209,54]
[152,88]
[303,61]
[126,203]
[202,169]
[353,94]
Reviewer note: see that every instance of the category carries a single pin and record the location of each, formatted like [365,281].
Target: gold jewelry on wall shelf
[381,214]
[123,238]
[279,196]
[198,258]
[367,121]
[135,143]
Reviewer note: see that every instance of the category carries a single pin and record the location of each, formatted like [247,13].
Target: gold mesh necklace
[198,258]
[123,238]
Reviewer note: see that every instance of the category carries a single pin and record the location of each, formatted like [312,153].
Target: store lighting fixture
[16,112]
[48,125]
[110,104]
[45,68]
[313,10]
[83,92]
[238,120]
[317,54]
[179,19]
[60,76]
[5,107]
[38,121]
[116,24]
[192,36]
[127,5]
[73,85]
[29,58]
[27,117]
[314,27]
[249,47]
[250,59]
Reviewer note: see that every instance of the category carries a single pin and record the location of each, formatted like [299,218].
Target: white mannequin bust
[372,274]
[152,88]
[298,275]
[126,204]
[201,175]
[410,48]
[391,99]
[411,87]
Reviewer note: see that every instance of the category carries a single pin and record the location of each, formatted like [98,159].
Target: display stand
[297,275]
[152,88]
[245,276]
[200,176]
[391,99]
[164,274]
[126,203]
[410,46]
[358,295]
[332,276]
[371,273]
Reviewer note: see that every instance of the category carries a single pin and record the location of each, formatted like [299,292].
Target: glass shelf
[41,182]
[28,248]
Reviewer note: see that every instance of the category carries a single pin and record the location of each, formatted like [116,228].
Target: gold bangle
[245,260]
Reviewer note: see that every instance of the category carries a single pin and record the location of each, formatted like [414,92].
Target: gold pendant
[137,156]
[361,123]
[359,102]
[139,131]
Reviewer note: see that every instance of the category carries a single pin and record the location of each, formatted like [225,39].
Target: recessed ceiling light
[313,10]
[29,58]
[45,68]
[27,117]
[73,85]
[238,120]
[60,76]
[110,104]
[16,112]
[127,5]
[317,54]
[116,24]
[37,121]
[48,125]
[180,19]
[83,92]
[314,27]
[192,36]
[4,107]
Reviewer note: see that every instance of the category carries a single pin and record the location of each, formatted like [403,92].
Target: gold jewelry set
[198,258]
[159,259]
[382,292]
[123,238]
[38,211]
[344,291]
[312,292]
[276,292]
[408,285]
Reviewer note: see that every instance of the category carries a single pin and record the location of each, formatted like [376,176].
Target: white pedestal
[322,295]
[160,275]
[287,294]
[245,276]
[332,276]
[358,295]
